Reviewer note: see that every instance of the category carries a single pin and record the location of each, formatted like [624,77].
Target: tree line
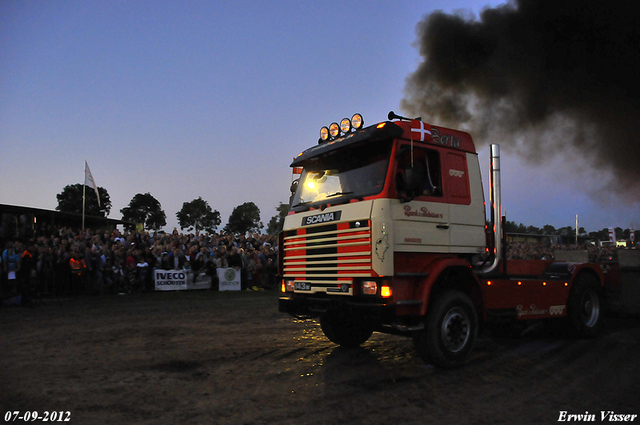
[567,232]
[145,209]
[198,215]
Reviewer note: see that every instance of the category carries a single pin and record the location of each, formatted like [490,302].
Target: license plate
[302,286]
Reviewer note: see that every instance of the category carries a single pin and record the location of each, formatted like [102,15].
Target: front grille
[328,257]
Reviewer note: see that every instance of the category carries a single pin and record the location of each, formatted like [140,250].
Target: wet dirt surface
[230,358]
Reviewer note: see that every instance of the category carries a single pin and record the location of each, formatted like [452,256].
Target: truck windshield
[354,173]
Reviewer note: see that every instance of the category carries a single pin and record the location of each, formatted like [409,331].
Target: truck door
[421,217]
[463,193]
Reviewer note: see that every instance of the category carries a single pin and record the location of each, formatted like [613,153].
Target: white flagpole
[576,229]
[84,188]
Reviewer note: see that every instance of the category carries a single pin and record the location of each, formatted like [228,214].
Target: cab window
[419,173]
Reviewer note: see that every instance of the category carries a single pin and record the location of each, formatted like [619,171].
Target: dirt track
[231,358]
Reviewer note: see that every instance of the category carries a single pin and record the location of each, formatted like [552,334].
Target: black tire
[585,310]
[345,331]
[451,330]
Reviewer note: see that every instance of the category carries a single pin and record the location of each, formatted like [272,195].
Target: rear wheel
[451,330]
[585,308]
[346,331]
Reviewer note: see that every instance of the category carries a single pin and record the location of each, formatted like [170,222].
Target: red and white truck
[387,232]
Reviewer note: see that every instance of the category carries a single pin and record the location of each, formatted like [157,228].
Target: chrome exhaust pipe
[496,209]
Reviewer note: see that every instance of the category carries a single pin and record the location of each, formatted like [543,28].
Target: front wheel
[451,330]
[346,331]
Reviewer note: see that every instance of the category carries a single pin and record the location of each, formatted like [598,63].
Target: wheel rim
[590,308]
[456,329]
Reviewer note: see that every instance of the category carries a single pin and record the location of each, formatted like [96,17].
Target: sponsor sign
[229,279]
[170,280]
[321,218]
[177,280]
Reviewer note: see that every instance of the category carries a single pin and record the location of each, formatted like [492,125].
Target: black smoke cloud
[548,77]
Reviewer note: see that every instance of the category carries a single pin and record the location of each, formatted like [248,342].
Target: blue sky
[214,99]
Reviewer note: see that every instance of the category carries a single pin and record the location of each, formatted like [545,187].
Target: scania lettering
[321,218]
[387,232]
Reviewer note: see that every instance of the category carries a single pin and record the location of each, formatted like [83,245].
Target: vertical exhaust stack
[496,209]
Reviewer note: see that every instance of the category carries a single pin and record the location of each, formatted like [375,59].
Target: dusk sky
[213,99]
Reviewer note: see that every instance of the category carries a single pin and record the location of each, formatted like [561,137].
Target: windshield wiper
[303,204]
[339,194]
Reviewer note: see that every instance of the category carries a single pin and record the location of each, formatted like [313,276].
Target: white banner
[229,279]
[176,280]
[170,280]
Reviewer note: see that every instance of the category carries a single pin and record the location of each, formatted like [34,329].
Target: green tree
[144,209]
[619,233]
[70,201]
[533,230]
[600,235]
[198,215]
[510,226]
[244,218]
[277,221]
[566,231]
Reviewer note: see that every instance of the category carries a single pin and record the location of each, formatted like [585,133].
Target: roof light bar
[346,126]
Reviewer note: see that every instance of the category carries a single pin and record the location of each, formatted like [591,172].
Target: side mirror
[294,186]
[293,189]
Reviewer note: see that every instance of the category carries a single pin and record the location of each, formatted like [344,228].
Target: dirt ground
[206,357]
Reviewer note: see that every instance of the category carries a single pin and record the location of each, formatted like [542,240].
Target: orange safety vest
[77,266]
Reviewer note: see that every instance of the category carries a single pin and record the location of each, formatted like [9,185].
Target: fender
[569,271]
[436,270]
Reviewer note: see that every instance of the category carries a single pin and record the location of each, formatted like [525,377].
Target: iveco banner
[170,280]
[176,280]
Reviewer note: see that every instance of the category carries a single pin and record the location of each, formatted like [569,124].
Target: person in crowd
[222,260]
[142,273]
[117,276]
[27,274]
[11,266]
[164,261]
[78,271]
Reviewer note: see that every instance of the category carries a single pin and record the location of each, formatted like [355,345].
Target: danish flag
[420,129]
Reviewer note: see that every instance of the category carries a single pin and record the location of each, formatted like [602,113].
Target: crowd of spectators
[61,261]
[534,251]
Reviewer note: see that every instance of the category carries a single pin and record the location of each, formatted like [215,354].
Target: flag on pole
[612,236]
[88,180]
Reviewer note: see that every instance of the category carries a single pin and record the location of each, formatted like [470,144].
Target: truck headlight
[287,286]
[369,287]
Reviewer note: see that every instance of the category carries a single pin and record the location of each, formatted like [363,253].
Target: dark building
[24,222]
